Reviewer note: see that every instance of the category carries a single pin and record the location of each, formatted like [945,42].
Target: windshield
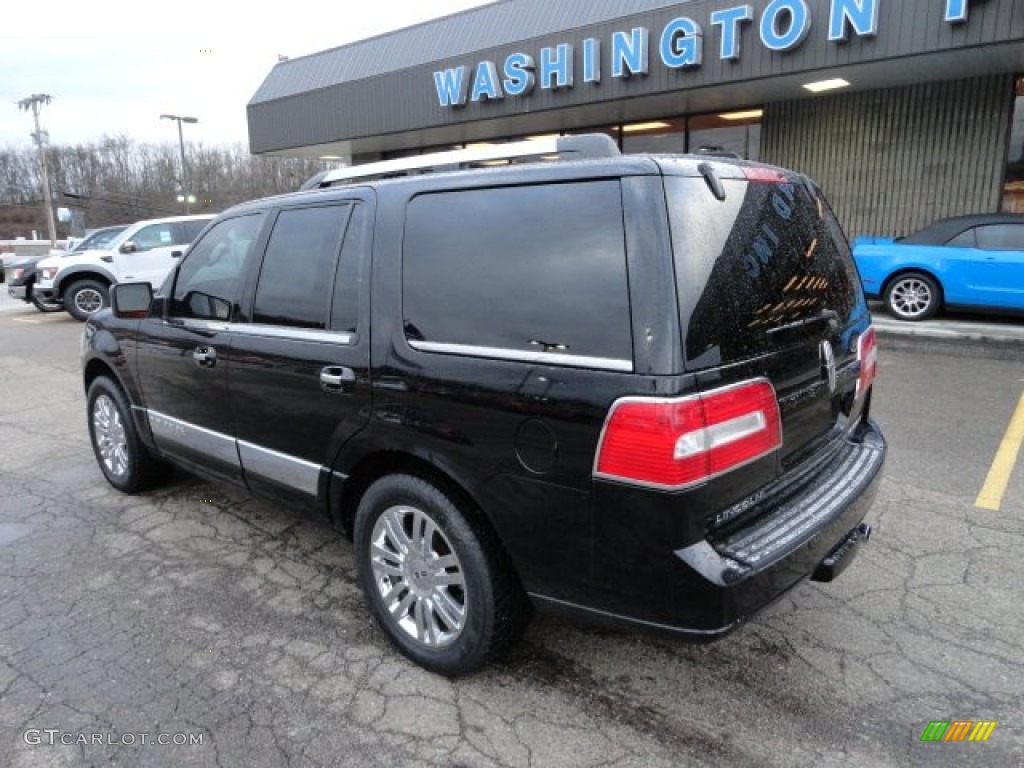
[101,238]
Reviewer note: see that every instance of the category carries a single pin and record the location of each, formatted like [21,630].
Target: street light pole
[32,102]
[186,183]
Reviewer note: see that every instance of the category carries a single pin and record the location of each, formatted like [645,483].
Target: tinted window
[769,255]
[1001,237]
[540,268]
[210,279]
[189,231]
[965,239]
[154,236]
[345,308]
[298,269]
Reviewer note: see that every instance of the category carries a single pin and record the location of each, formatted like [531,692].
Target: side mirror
[131,300]
[207,306]
[128,247]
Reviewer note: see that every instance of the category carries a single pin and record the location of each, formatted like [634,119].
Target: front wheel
[46,306]
[913,296]
[437,581]
[123,458]
[85,297]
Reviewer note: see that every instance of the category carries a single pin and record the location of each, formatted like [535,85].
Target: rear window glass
[525,269]
[768,256]
[1001,237]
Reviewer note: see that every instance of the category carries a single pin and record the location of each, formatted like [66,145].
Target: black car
[634,388]
[21,274]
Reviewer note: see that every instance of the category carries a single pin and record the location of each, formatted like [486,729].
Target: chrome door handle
[205,357]
[337,378]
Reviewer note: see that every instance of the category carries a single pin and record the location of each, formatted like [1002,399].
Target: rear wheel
[913,296]
[123,458]
[436,580]
[85,297]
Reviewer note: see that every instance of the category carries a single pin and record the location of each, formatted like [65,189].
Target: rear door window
[189,231]
[516,270]
[769,255]
[295,280]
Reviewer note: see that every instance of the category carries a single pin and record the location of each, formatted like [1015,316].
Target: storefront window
[1013,189]
[730,133]
[733,133]
[655,136]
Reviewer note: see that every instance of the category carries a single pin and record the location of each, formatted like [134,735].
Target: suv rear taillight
[682,442]
[867,356]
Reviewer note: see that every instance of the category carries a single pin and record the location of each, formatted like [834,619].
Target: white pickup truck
[145,252]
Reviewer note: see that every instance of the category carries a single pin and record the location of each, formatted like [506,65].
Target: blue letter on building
[861,14]
[485,84]
[730,19]
[591,60]
[629,52]
[774,38]
[452,86]
[519,77]
[956,11]
[682,44]
[556,63]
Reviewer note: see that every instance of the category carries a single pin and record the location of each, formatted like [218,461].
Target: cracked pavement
[199,609]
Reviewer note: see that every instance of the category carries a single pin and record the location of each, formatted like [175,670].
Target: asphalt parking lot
[199,613]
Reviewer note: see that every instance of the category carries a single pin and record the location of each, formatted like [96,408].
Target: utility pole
[32,102]
[186,182]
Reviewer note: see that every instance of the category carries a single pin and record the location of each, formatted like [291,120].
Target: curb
[956,342]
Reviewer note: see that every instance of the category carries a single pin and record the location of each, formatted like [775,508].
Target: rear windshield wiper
[825,315]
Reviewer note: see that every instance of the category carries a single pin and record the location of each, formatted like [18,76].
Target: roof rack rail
[589,145]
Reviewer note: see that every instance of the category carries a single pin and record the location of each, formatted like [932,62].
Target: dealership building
[903,110]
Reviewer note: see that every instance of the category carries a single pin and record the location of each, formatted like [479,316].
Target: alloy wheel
[110,437]
[88,301]
[418,576]
[911,297]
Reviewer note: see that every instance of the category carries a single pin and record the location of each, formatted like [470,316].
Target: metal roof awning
[386,93]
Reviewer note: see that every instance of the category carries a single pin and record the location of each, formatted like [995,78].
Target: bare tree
[117,180]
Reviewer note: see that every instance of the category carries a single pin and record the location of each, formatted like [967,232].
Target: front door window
[210,280]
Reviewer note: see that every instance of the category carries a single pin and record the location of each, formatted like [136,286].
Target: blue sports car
[967,262]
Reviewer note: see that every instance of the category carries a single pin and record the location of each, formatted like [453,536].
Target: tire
[46,306]
[86,297]
[123,458]
[913,296]
[437,581]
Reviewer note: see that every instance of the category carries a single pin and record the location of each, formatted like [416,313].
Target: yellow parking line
[991,496]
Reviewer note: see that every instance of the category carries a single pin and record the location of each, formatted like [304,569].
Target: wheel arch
[345,497]
[82,273]
[96,368]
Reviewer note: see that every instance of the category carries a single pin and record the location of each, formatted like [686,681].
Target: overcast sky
[113,67]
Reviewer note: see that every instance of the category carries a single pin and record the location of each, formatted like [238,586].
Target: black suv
[631,387]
